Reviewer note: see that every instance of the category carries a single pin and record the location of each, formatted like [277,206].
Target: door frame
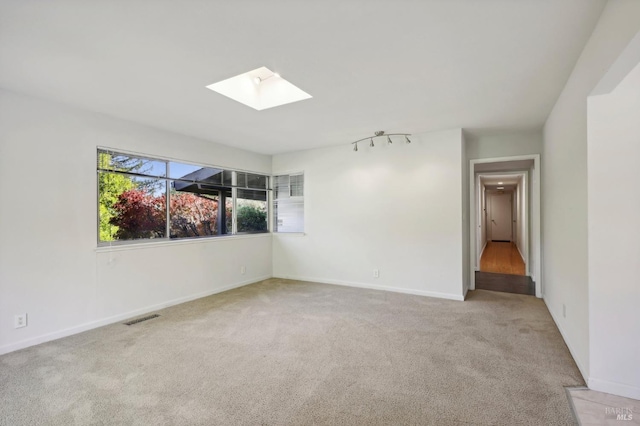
[533,198]
[524,175]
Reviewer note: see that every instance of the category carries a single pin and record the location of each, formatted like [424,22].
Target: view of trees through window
[133,192]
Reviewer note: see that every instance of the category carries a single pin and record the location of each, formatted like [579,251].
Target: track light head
[371,144]
[407,138]
[389,140]
[355,147]
[257,80]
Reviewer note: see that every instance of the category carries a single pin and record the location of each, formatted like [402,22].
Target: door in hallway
[500,219]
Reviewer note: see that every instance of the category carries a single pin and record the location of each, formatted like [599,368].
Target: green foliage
[110,187]
[251,219]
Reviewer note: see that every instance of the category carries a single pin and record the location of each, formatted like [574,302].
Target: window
[143,198]
[289,203]
[251,203]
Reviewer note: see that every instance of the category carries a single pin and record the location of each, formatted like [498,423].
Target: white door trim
[536,255]
[524,175]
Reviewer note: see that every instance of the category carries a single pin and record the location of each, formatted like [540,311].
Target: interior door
[500,217]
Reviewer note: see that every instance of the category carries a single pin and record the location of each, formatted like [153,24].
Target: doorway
[500,215]
[501,253]
[504,224]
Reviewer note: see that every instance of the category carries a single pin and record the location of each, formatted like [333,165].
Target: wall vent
[137,320]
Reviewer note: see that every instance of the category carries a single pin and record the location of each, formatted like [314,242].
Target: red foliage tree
[139,215]
[192,215]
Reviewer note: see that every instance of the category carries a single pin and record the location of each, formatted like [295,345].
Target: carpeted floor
[294,353]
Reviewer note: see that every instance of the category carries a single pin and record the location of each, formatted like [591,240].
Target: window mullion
[168,203]
[269,205]
[234,202]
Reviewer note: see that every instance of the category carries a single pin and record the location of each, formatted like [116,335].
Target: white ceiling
[400,66]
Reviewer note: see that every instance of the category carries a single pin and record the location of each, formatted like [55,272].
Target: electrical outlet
[243,269]
[564,311]
[376,273]
[20,321]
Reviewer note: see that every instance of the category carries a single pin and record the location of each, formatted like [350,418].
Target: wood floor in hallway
[502,258]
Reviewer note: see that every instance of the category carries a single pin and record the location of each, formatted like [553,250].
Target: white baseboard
[521,255]
[614,388]
[117,318]
[482,251]
[582,369]
[439,295]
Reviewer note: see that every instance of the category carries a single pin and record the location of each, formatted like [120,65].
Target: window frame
[168,180]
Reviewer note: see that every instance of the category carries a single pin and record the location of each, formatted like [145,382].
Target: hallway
[502,258]
[502,269]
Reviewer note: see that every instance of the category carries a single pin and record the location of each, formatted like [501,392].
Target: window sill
[170,243]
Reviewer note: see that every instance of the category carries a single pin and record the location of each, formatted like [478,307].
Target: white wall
[480,214]
[466,211]
[49,266]
[488,195]
[495,144]
[521,206]
[514,215]
[482,220]
[614,232]
[395,208]
[564,179]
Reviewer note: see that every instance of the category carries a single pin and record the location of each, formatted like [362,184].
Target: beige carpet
[292,353]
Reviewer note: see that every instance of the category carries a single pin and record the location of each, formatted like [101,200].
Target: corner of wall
[466,211]
[582,366]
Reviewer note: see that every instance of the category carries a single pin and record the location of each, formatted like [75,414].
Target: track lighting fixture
[380,134]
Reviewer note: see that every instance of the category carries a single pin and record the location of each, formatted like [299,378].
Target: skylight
[260,89]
